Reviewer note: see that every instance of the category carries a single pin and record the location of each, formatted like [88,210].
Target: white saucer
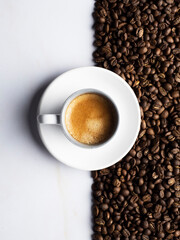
[121,94]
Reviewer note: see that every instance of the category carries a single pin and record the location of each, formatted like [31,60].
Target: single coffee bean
[143,50]
[162,91]
[150,131]
[161,193]
[97,229]
[168,86]
[145,224]
[167,31]
[169,39]
[95,210]
[116,182]
[116,190]
[99,221]
[175,94]
[164,114]
[167,226]
[125,192]
[126,233]
[129,28]
[104,230]
[109,222]
[107,216]
[158,51]
[170,202]
[177,233]
[171,181]
[97,237]
[104,206]
[141,181]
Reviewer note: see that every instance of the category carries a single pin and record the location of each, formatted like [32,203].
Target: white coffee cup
[59,118]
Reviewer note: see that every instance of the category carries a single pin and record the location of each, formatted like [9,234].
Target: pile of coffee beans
[139,197]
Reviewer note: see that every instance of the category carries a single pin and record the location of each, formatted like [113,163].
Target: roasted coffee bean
[175,94]
[145,224]
[161,235]
[177,233]
[99,221]
[125,192]
[126,233]
[104,206]
[116,190]
[107,216]
[138,197]
[164,114]
[104,230]
[116,182]
[143,50]
[97,229]
[141,181]
[145,237]
[167,226]
[97,237]
[95,210]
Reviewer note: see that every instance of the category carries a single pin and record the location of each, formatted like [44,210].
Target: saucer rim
[104,145]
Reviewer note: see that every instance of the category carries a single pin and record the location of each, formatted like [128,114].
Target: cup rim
[63,112]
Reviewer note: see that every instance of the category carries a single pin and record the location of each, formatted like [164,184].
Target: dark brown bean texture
[138,197]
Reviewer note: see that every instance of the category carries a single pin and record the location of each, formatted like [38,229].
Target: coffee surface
[89,118]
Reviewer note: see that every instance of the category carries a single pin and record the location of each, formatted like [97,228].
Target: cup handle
[49,119]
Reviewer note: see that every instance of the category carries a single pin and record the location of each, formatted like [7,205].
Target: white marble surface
[40,198]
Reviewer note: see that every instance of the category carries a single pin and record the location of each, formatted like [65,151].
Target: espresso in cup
[88,118]
[91,118]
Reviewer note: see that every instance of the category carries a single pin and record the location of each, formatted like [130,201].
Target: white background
[40,198]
